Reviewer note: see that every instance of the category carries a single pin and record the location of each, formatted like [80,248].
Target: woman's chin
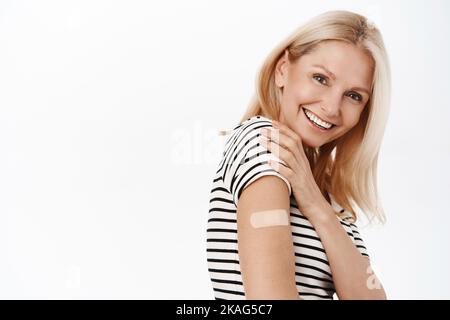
[308,142]
[308,138]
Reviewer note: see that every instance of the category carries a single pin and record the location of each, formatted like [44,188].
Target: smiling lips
[317,121]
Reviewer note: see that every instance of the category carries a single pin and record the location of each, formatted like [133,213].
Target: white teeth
[318,121]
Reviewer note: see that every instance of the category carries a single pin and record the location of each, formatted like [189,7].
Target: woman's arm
[266,254]
[352,276]
[351,272]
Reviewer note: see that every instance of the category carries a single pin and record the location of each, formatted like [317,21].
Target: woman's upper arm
[266,254]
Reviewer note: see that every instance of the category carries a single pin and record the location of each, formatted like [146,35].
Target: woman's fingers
[281,169]
[283,140]
[286,130]
[280,152]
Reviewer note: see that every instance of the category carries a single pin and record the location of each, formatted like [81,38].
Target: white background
[108,119]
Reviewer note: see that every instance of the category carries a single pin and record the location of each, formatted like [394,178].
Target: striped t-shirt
[244,161]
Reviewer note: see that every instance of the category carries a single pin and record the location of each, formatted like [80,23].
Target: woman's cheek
[352,118]
[357,119]
[306,92]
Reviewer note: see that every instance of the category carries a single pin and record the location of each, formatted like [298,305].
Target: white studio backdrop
[109,112]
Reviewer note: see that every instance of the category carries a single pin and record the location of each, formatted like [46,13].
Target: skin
[266,255]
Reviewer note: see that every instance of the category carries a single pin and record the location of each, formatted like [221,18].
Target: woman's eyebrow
[362,89]
[332,75]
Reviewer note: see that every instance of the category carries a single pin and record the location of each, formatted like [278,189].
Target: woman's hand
[287,146]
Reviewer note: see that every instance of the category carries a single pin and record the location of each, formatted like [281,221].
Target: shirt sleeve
[359,242]
[246,160]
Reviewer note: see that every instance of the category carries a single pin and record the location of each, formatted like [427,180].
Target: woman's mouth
[316,122]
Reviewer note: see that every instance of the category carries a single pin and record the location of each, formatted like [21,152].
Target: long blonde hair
[347,166]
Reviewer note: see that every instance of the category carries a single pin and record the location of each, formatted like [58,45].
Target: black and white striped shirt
[244,161]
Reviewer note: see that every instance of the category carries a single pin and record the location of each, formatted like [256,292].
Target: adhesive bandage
[269,218]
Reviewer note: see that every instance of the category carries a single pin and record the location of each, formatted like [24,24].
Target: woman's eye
[355,96]
[320,78]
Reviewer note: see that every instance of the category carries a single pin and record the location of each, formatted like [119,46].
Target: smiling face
[324,91]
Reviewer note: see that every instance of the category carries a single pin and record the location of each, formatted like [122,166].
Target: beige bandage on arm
[269,218]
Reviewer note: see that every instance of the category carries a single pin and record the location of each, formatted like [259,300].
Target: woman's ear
[281,70]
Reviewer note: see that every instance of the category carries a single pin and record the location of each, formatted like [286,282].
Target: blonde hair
[347,166]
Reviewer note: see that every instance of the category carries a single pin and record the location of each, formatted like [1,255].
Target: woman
[302,161]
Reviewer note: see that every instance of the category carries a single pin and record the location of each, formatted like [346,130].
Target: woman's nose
[331,106]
